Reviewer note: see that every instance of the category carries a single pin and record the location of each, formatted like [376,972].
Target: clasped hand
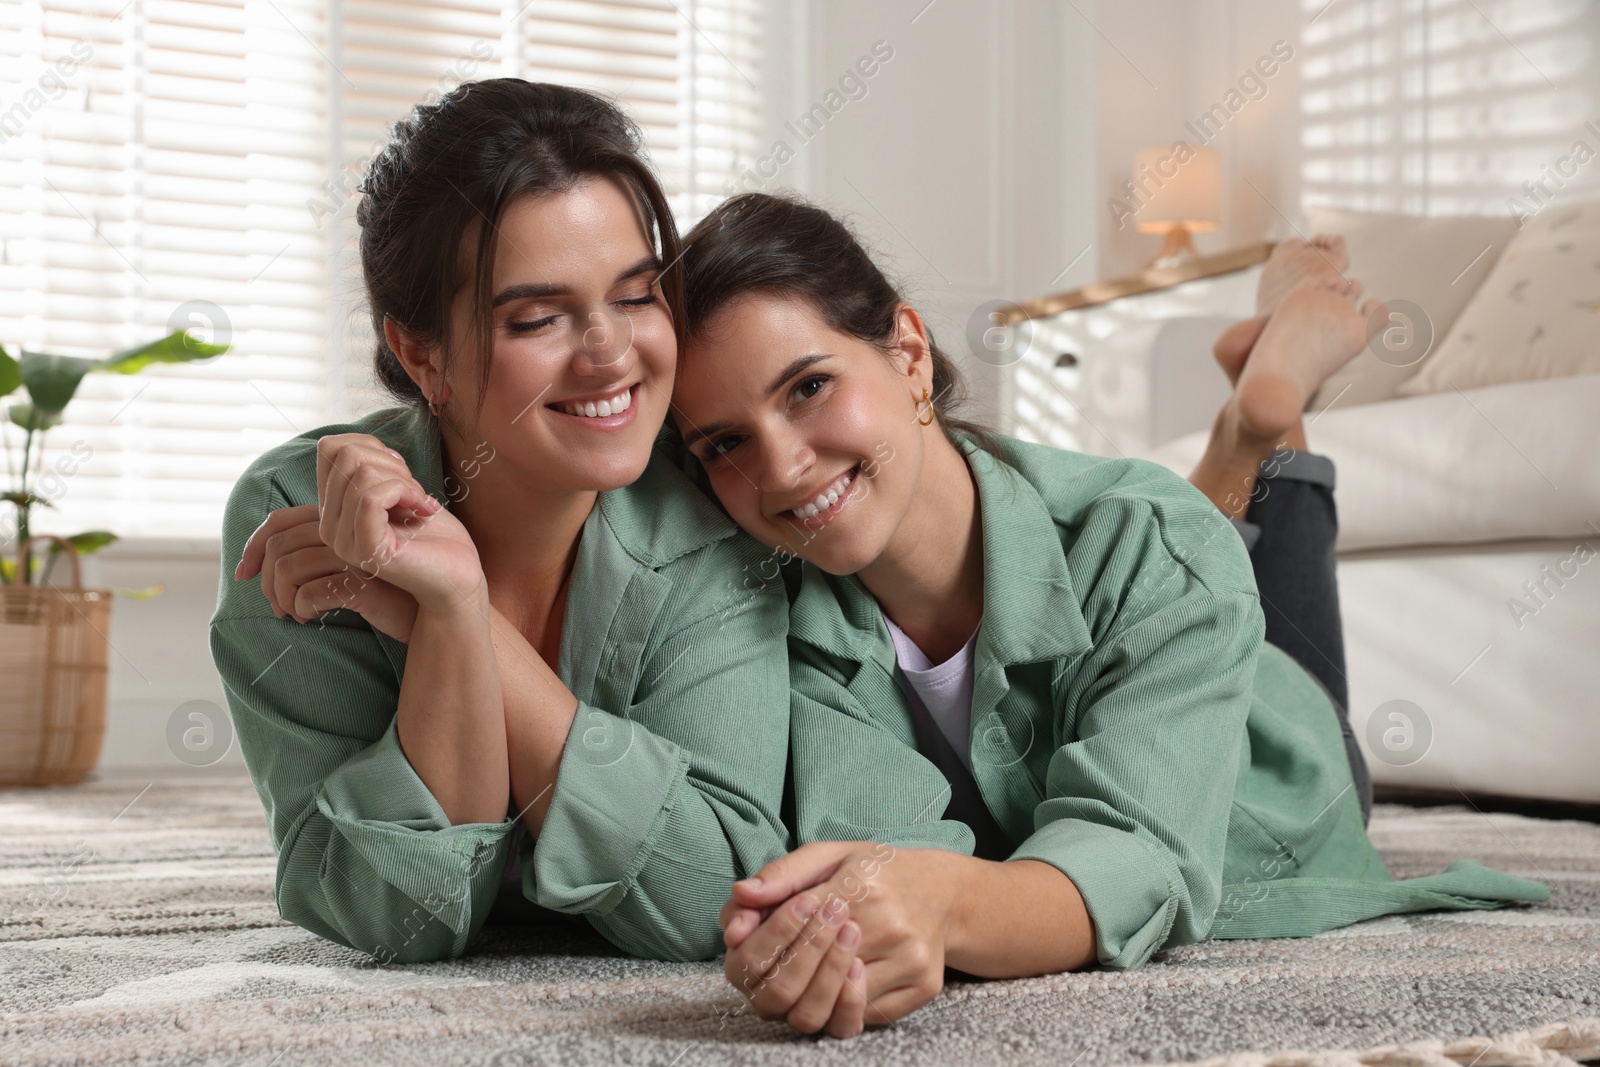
[375,542]
[841,934]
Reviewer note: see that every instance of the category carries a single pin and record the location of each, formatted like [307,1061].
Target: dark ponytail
[461,161]
[781,245]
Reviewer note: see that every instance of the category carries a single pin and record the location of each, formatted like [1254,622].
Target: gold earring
[433,407]
[928,400]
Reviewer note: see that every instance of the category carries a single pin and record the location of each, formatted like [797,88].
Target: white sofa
[1453,508]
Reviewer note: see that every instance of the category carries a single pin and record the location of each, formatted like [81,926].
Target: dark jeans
[1289,529]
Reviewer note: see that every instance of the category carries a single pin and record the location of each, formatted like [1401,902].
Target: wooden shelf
[1145,281]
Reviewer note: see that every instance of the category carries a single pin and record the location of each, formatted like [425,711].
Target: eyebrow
[794,368]
[533,290]
[784,376]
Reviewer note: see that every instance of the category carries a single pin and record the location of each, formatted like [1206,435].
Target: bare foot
[1295,261]
[1232,346]
[1315,331]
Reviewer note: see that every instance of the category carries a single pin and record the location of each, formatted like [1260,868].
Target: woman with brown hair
[528,623]
[1035,725]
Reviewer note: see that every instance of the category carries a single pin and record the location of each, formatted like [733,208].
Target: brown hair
[761,243]
[461,161]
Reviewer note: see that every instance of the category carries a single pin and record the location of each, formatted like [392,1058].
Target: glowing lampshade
[1187,194]
[1181,187]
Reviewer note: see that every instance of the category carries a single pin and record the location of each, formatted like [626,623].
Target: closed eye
[531,326]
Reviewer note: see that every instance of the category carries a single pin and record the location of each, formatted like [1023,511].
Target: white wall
[967,166]
[1163,63]
[159,657]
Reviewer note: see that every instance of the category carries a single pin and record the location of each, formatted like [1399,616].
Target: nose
[786,459]
[601,344]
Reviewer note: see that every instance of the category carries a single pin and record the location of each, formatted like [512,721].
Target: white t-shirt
[945,688]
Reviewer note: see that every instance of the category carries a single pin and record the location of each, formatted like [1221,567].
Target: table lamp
[1182,189]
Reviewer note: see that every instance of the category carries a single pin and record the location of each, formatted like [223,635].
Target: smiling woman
[1035,724]
[565,649]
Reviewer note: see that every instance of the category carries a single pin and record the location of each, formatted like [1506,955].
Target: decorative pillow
[1434,263]
[1538,314]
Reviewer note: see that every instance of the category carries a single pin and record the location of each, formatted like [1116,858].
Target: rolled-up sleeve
[366,856]
[1137,804]
[659,810]
[617,782]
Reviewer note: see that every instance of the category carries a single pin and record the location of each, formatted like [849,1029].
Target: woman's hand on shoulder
[302,578]
[378,519]
[781,928]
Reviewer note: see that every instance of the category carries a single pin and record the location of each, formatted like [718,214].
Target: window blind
[172,163]
[1443,107]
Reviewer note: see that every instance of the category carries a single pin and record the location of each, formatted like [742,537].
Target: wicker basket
[52,676]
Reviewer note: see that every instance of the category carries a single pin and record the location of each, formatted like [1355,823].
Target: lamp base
[1176,250]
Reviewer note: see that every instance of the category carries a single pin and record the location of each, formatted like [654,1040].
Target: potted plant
[53,641]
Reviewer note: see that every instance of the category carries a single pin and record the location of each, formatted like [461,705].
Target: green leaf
[10,373]
[51,380]
[29,417]
[8,568]
[26,500]
[139,594]
[177,347]
[87,542]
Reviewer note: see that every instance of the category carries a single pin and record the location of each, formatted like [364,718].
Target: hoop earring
[928,400]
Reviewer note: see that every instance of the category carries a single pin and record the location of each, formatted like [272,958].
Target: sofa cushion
[1536,316]
[1434,263]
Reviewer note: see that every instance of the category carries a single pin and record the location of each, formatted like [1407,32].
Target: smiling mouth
[600,411]
[826,505]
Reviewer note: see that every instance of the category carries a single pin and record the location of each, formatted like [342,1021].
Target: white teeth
[827,498]
[593,409]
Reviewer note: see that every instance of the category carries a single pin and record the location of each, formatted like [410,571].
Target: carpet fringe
[1555,1045]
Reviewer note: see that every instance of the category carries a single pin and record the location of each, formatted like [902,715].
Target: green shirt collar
[1031,609]
[657,519]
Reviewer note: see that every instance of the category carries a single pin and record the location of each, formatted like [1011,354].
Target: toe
[1332,244]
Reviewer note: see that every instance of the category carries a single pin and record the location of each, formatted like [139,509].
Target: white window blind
[1445,107]
[197,165]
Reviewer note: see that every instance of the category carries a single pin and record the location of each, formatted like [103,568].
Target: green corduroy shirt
[671,781]
[1130,726]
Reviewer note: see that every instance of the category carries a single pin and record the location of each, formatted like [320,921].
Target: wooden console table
[1143,282]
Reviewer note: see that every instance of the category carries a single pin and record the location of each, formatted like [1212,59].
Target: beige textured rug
[138,926]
